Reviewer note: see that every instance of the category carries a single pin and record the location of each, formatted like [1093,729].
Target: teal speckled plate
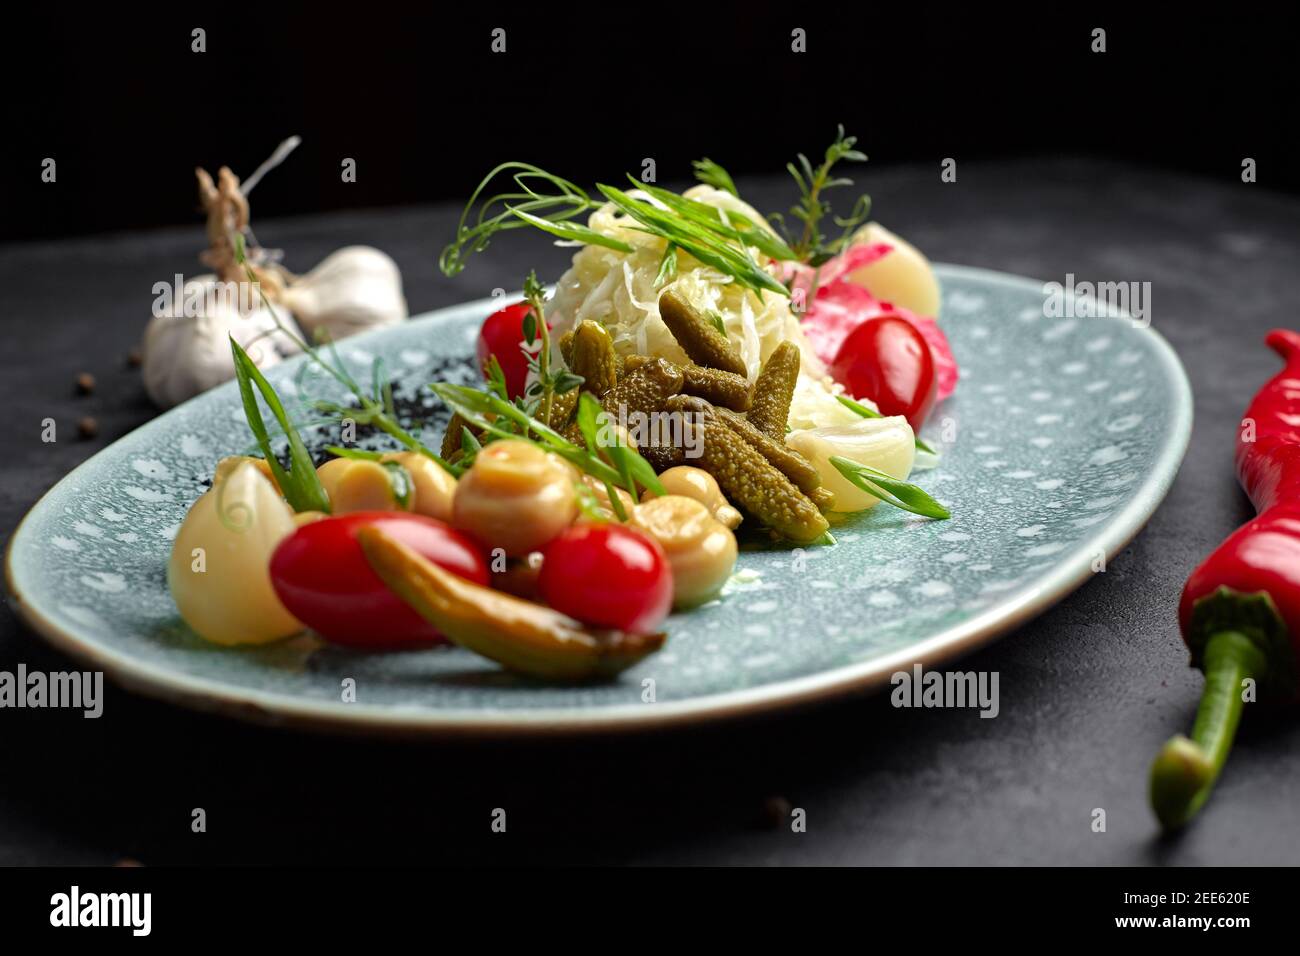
[1065,434]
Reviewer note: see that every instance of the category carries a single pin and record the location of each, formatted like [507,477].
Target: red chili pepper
[1240,610]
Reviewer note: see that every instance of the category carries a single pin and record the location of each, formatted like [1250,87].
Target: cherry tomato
[888,360]
[607,575]
[322,578]
[502,335]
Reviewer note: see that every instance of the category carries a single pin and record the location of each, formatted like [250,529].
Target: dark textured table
[1089,690]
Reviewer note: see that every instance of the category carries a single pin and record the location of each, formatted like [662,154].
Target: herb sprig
[375,407]
[547,381]
[900,494]
[501,419]
[812,246]
[550,203]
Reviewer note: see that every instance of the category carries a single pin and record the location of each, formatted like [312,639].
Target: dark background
[425,108]
[1117,166]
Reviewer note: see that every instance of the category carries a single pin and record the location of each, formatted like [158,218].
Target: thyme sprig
[547,380]
[812,246]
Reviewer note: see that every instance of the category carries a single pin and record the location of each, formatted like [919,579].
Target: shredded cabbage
[617,289]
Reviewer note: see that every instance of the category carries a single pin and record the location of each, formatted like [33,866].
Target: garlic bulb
[185,354]
[351,290]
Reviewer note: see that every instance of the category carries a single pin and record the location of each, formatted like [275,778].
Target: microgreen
[711,174]
[900,494]
[547,202]
[487,214]
[376,409]
[712,246]
[667,267]
[300,485]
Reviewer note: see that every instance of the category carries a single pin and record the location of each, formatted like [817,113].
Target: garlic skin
[184,355]
[352,289]
[219,572]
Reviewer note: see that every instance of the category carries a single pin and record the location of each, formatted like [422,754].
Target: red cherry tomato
[888,361]
[322,578]
[609,576]
[502,335]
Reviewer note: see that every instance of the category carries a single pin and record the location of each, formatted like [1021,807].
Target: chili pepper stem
[1185,770]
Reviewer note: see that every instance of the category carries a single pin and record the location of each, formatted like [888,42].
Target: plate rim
[273,708]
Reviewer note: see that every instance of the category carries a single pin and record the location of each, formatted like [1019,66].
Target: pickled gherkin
[451,438]
[592,356]
[566,348]
[562,406]
[643,392]
[823,498]
[645,389]
[769,409]
[749,480]
[790,463]
[726,389]
[698,338]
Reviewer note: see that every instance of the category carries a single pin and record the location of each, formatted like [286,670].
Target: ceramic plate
[1063,437]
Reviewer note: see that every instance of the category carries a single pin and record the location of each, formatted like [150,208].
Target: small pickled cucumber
[452,436]
[749,480]
[698,338]
[720,388]
[593,357]
[645,389]
[769,409]
[519,635]
[791,464]
[562,406]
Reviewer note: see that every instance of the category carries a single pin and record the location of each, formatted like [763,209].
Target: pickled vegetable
[698,337]
[353,484]
[691,482]
[701,551]
[451,439]
[791,464]
[886,444]
[433,487]
[517,634]
[719,388]
[750,481]
[644,390]
[515,497]
[218,572]
[594,358]
[769,409]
